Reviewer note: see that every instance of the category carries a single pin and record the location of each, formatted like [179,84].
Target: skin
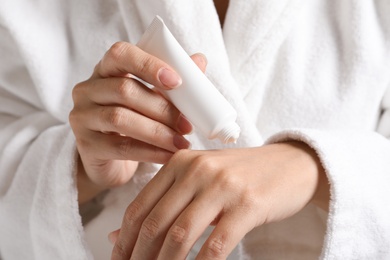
[234,189]
[221,6]
[118,122]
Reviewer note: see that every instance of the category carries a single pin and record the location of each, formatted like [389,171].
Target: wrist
[87,189]
[321,197]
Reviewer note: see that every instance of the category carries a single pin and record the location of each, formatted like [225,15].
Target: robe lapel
[254,30]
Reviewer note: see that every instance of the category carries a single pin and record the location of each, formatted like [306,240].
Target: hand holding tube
[118,121]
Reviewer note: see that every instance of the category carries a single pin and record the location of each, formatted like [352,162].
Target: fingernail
[180,142]
[169,78]
[183,125]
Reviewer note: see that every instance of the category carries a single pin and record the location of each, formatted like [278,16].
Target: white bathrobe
[316,71]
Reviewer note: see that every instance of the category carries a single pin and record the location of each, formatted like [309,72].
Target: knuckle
[182,156]
[125,147]
[205,163]
[73,117]
[177,236]
[150,229]
[158,131]
[78,91]
[145,64]
[132,214]
[113,116]
[248,200]
[117,50]
[227,180]
[124,89]
[83,144]
[156,154]
[97,68]
[216,248]
[120,249]
[79,104]
[165,108]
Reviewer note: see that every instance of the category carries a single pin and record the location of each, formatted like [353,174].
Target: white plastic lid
[230,133]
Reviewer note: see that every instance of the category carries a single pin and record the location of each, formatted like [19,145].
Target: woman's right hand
[118,121]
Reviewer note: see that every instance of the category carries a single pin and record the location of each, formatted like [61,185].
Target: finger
[189,226]
[115,147]
[230,229]
[132,124]
[156,225]
[113,236]
[138,210]
[132,94]
[123,58]
[200,60]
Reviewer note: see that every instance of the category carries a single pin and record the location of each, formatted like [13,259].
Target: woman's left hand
[234,189]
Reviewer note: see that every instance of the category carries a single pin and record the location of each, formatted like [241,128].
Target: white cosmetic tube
[197,98]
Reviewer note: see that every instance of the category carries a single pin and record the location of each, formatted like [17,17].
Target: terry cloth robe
[316,71]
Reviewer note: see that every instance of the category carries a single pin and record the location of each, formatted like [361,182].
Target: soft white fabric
[316,71]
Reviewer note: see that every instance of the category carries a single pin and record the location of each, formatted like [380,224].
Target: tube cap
[230,133]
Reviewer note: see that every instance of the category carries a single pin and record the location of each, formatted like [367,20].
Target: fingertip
[200,60]
[183,125]
[113,236]
[181,143]
[201,57]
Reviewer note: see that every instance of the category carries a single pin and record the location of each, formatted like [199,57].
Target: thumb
[113,236]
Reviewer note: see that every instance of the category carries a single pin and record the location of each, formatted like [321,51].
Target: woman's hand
[118,121]
[234,189]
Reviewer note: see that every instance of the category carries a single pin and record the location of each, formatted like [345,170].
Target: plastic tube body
[197,98]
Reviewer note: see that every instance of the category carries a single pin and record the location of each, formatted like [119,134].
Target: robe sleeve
[357,164]
[39,216]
